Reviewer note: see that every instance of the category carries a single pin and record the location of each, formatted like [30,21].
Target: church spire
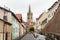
[29,9]
[29,15]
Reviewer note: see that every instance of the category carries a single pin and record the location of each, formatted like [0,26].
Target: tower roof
[29,9]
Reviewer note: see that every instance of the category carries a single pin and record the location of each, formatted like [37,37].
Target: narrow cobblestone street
[33,36]
[28,36]
[29,20]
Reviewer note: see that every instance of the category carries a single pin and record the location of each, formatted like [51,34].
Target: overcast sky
[21,6]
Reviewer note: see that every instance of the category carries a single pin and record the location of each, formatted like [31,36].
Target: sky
[22,6]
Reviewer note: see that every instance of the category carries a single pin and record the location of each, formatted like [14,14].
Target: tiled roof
[19,16]
[26,24]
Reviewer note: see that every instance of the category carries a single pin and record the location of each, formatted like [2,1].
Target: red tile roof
[26,23]
[19,16]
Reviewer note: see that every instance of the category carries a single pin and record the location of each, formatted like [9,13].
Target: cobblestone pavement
[28,36]
[33,36]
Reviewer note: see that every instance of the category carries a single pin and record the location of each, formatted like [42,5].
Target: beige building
[52,10]
[5,30]
[5,25]
[53,26]
[45,17]
[41,21]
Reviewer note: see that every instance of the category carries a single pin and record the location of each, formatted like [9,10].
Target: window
[45,21]
[5,18]
[53,14]
[5,15]
[49,15]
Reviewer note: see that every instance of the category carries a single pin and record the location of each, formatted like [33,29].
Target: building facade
[5,33]
[52,10]
[45,17]
[52,28]
[41,21]
[22,25]
[15,27]
[10,17]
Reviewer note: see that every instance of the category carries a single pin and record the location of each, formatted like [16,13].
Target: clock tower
[29,16]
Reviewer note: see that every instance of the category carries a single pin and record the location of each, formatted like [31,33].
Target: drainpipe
[3,25]
[3,30]
[19,30]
